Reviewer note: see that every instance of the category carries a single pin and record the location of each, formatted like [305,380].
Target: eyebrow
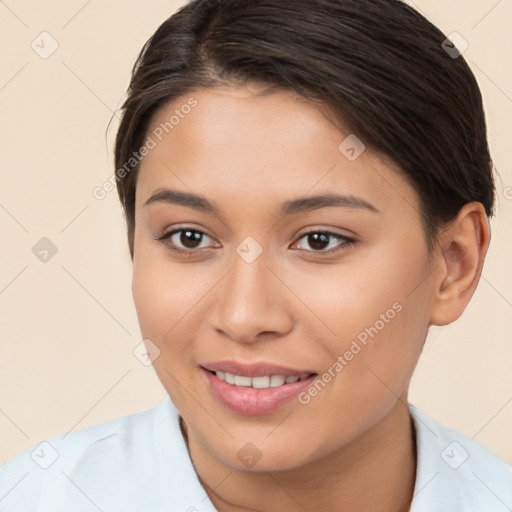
[305,204]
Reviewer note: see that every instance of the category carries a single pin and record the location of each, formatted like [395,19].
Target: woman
[307,188]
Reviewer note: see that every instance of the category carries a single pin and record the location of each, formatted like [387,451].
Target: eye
[320,240]
[187,241]
[183,240]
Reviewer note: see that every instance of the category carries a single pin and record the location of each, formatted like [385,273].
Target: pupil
[189,242]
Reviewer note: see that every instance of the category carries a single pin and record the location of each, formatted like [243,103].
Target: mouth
[255,389]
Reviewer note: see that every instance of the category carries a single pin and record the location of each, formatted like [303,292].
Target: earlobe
[464,247]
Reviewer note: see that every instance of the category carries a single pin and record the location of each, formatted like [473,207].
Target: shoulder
[70,458]
[455,472]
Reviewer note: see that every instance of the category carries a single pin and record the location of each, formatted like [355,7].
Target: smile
[254,389]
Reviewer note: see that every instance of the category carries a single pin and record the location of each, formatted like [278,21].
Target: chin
[265,457]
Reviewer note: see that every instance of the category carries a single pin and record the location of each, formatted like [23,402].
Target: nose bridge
[249,301]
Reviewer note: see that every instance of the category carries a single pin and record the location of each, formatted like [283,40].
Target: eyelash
[347,242]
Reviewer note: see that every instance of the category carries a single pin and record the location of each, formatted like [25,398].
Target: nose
[252,303]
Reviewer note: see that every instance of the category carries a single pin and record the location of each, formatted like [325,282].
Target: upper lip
[260,369]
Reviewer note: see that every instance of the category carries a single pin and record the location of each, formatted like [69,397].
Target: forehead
[238,141]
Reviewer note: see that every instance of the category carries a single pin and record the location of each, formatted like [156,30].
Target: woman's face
[258,279]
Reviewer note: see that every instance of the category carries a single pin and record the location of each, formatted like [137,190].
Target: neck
[377,471]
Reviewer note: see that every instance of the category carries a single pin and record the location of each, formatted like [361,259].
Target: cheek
[359,298]
[147,296]
[375,314]
[170,299]
[164,313]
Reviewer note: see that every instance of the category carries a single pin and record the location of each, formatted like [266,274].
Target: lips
[233,385]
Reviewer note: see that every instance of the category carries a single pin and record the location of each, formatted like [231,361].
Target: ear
[463,247]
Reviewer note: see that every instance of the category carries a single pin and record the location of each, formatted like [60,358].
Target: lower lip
[254,401]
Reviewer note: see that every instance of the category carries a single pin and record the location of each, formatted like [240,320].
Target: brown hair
[379,66]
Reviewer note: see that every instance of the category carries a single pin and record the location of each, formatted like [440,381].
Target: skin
[296,304]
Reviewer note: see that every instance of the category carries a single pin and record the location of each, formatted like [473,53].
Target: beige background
[68,326]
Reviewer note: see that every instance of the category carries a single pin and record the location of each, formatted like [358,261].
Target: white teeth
[276,380]
[261,382]
[242,381]
[270,381]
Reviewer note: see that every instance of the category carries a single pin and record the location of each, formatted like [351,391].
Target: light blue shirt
[140,463]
